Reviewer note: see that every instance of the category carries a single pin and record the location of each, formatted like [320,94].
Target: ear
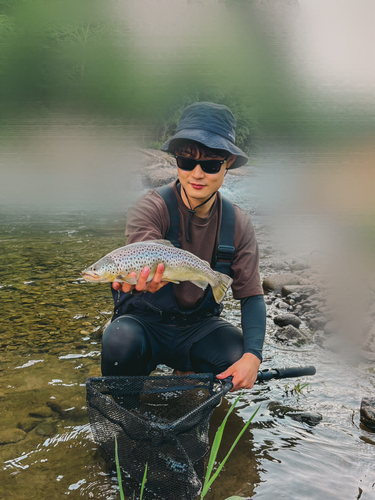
[230,161]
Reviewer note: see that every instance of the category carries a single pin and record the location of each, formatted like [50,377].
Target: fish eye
[93,269]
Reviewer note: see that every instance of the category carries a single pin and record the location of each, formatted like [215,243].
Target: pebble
[12,436]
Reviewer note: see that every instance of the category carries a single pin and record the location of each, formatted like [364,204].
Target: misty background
[84,83]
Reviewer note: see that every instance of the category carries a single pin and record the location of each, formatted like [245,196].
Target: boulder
[287,319]
[276,282]
[367,413]
[12,436]
[158,175]
[290,333]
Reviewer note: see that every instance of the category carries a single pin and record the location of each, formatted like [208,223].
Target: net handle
[277,373]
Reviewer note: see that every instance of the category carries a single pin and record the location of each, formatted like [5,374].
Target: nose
[197,172]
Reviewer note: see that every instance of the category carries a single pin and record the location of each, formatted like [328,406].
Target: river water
[50,344]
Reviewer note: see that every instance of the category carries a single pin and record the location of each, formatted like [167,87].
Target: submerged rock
[42,412]
[287,319]
[28,424]
[282,411]
[45,429]
[368,412]
[12,436]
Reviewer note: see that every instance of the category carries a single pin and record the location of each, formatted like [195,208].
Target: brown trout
[179,265]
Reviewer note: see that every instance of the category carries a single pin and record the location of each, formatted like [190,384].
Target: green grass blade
[144,481]
[216,443]
[208,485]
[122,496]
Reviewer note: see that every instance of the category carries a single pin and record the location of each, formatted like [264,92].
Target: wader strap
[167,193]
[225,251]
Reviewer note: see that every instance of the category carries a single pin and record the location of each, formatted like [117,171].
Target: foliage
[215,447]
[296,390]
[211,461]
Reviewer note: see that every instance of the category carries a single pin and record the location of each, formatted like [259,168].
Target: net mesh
[159,420]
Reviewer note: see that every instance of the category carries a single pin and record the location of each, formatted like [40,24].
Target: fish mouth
[90,275]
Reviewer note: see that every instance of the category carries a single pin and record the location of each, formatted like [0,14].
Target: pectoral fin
[128,279]
[202,284]
[170,281]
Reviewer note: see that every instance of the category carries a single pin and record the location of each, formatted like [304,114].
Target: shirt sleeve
[253,322]
[148,219]
[245,266]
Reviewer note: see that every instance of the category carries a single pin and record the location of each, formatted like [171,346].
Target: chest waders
[161,306]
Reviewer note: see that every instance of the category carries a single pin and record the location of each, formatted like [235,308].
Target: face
[198,185]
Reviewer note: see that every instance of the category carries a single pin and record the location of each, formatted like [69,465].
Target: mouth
[89,275]
[197,186]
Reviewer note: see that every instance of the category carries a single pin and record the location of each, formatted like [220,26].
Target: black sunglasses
[208,166]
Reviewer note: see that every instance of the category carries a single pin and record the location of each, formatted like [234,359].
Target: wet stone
[282,411]
[287,319]
[367,413]
[275,282]
[12,436]
[290,333]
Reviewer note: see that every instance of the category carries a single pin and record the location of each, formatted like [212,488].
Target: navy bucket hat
[213,125]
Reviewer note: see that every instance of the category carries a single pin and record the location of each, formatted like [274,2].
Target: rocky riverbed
[315,440]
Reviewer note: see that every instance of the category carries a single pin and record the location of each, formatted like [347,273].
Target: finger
[116,285]
[225,374]
[155,284]
[142,280]
[158,273]
[126,287]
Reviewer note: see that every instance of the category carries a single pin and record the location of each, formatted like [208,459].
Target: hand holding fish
[142,285]
[149,265]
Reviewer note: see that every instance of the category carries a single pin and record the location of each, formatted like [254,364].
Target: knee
[123,333]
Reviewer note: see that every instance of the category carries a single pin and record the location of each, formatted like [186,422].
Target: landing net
[159,420]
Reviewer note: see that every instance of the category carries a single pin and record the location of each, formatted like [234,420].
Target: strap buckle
[225,253]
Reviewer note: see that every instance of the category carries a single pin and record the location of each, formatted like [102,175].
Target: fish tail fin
[221,288]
